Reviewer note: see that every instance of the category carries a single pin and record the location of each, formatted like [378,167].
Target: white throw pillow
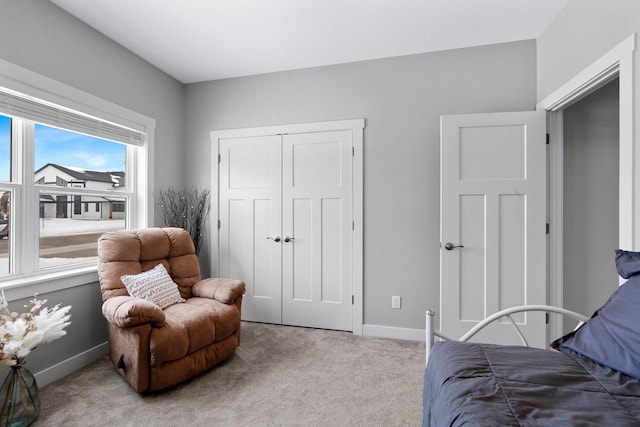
[154,285]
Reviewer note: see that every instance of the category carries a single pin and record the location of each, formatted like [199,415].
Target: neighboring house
[80,207]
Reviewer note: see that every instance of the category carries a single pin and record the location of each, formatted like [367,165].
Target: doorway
[591,199]
[618,64]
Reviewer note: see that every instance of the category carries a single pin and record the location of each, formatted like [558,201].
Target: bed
[591,379]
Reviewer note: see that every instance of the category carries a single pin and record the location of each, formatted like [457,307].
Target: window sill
[46,283]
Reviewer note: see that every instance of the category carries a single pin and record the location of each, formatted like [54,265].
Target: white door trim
[618,62]
[357,128]
[289,128]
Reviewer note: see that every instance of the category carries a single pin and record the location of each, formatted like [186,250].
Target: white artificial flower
[4,305]
[16,329]
[12,347]
[32,339]
[51,323]
[21,333]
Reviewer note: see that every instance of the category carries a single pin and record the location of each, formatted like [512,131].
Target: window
[5,148]
[5,193]
[117,206]
[66,176]
[77,205]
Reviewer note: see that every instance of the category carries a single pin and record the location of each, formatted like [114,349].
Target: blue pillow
[612,336]
[627,263]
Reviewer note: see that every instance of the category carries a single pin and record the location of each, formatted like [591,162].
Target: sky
[64,148]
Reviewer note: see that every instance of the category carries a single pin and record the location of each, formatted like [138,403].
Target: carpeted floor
[280,376]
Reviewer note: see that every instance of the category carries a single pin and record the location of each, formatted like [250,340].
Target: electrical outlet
[396,301]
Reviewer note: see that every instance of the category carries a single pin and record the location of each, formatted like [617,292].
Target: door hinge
[547,228]
[548,139]
[353,299]
[218,224]
[546,318]
[353,151]
[219,158]
[353,225]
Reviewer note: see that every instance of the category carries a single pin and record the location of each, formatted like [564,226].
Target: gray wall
[591,150]
[43,38]
[583,32]
[87,330]
[402,100]
[39,36]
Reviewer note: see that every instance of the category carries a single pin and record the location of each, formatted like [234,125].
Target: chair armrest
[125,311]
[224,290]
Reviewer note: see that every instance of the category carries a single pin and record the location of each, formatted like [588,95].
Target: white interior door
[286,224]
[317,224]
[493,213]
[250,205]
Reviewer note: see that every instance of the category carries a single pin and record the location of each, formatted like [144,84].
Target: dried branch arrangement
[188,209]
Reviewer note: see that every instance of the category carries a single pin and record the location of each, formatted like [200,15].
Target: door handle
[450,246]
[287,239]
[275,239]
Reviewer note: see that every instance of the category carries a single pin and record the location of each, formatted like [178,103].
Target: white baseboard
[393,332]
[66,367]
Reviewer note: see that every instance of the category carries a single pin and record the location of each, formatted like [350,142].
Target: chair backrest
[134,251]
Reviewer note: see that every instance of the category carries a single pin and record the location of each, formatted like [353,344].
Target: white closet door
[317,228]
[250,222]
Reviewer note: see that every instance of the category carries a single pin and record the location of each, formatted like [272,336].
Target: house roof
[114,177]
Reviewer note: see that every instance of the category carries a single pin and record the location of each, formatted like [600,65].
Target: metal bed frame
[431,333]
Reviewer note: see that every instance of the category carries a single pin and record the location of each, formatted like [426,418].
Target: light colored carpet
[279,376]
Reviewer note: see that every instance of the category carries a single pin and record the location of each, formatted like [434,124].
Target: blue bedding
[491,385]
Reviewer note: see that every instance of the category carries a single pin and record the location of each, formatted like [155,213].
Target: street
[64,246]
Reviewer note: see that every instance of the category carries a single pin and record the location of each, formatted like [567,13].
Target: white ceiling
[199,40]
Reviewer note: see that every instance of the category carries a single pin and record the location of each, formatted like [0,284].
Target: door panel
[331,237]
[512,224]
[250,212]
[317,213]
[472,262]
[493,204]
[302,252]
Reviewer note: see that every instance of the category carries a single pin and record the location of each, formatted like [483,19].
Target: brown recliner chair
[155,348]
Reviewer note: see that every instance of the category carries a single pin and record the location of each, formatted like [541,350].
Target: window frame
[139,172]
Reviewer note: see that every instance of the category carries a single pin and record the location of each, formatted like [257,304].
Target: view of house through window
[78,178]
[5,192]
[5,149]
[80,183]
[66,176]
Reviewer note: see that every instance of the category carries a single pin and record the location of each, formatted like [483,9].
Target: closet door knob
[287,239]
[450,246]
[275,239]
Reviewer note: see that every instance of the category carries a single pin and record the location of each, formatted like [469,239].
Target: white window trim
[141,212]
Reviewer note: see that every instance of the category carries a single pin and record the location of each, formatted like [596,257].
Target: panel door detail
[316,217]
[286,211]
[250,204]
[493,214]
